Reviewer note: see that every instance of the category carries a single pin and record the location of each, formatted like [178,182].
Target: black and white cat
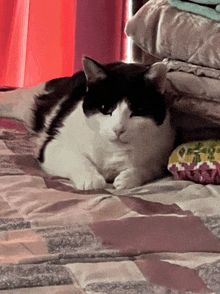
[107,123]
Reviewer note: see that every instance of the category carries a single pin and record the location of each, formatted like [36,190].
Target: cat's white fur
[115,147]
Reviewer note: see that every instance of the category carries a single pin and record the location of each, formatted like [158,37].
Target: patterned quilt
[163,237]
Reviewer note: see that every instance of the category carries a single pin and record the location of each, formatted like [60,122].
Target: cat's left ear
[93,70]
[157,74]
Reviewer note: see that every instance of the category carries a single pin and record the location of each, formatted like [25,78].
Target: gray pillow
[164,31]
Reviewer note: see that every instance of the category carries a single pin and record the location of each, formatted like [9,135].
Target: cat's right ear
[157,74]
[93,70]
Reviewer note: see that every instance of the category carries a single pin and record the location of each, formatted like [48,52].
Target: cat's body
[107,124]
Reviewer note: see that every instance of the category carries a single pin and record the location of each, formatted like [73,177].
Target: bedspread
[162,237]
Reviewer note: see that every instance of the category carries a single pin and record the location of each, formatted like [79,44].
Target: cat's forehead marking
[122,106]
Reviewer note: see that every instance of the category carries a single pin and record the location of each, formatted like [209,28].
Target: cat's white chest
[112,161]
[80,141]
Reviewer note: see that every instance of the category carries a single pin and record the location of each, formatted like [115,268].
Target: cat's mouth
[117,140]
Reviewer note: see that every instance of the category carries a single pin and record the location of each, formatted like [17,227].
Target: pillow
[196,161]
[207,8]
[194,90]
[166,32]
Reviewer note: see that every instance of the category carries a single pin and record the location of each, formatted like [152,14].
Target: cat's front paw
[127,179]
[89,181]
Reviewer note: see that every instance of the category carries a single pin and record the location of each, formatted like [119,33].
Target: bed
[162,237]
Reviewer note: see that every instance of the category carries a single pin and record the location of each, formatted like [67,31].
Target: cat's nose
[118,132]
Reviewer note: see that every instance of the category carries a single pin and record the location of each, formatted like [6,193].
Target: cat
[106,123]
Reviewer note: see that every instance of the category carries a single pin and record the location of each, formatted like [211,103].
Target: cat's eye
[107,110]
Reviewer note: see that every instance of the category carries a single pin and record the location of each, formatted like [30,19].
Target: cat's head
[121,95]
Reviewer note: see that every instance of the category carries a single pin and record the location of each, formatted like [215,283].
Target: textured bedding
[162,237]
[194,90]
[189,45]
[167,32]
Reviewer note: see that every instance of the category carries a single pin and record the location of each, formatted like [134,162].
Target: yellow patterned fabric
[196,161]
[196,152]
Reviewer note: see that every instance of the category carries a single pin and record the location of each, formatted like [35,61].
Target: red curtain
[45,39]
[100,30]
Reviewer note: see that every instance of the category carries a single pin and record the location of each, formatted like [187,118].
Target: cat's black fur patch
[124,81]
[71,87]
[74,89]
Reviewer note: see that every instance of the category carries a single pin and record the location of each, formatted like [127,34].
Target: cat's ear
[93,70]
[157,74]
